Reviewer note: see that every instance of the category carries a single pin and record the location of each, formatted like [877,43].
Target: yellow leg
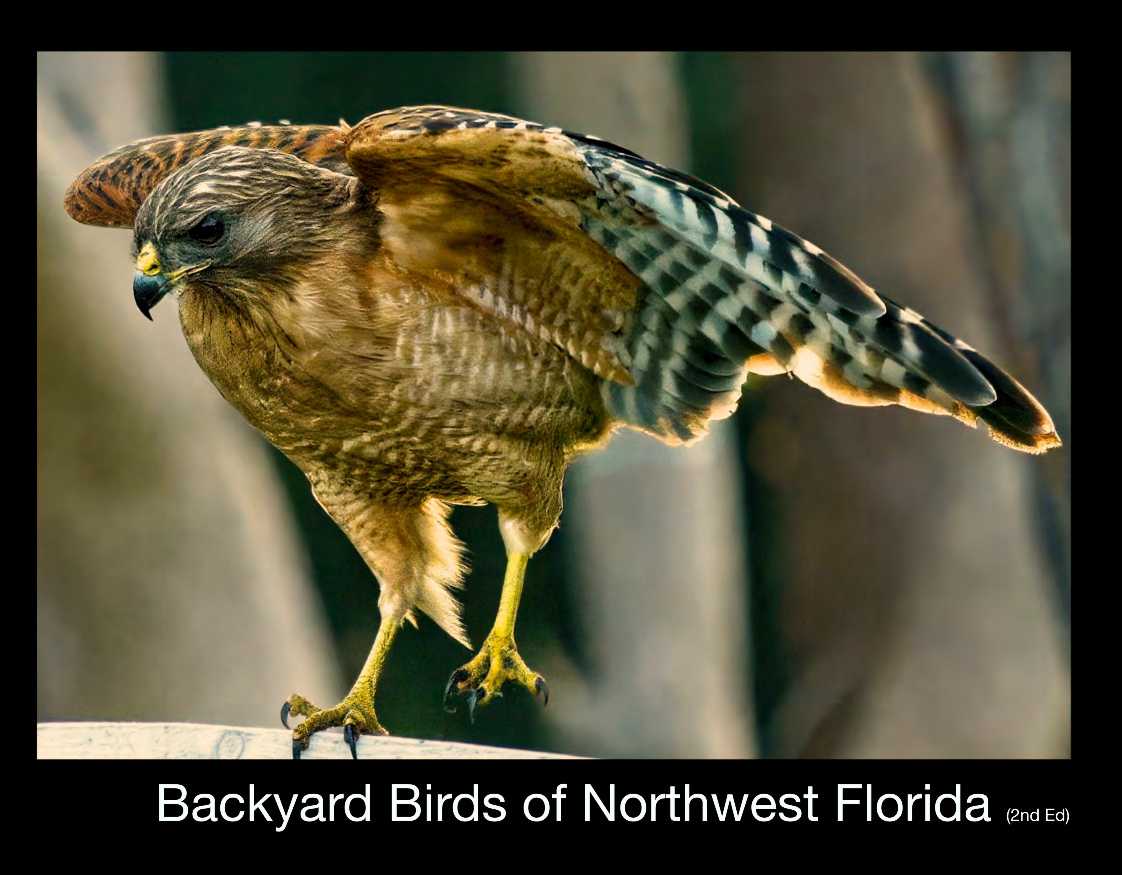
[498,660]
[356,712]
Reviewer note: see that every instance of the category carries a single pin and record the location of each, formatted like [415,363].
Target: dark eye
[209,231]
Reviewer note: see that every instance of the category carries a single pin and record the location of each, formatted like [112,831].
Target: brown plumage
[442,306]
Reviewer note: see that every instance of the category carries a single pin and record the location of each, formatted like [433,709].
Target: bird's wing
[110,191]
[496,207]
[697,292]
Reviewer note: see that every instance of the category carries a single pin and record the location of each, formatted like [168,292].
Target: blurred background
[812,580]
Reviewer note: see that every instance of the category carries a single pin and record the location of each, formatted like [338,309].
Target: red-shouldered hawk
[442,306]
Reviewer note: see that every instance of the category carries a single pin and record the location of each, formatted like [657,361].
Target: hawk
[441,306]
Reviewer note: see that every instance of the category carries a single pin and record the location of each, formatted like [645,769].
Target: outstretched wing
[698,291]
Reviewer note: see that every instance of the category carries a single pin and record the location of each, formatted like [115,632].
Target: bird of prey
[441,306]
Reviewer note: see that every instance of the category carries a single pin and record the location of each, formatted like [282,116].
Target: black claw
[285,709]
[297,746]
[450,690]
[543,688]
[474,697]
[350,736]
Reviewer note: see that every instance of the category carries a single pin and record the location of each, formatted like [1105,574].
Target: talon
[285,709]
[355,717]
[350,736]
[482,679]
[450,691]
[543,688]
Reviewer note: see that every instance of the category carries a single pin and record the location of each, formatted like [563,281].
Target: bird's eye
[209,231]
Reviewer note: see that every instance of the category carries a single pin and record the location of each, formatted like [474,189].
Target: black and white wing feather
[729,292]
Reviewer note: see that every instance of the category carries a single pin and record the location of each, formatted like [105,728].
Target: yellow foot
[354,716]
[482,679]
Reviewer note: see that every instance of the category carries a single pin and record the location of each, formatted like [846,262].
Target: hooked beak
[150,284]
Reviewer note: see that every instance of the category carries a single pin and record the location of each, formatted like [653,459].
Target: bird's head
[237,221]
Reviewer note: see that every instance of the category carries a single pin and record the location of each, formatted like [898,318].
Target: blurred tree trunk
[169,580]
[917,603]
[1007,118]
[656,531]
